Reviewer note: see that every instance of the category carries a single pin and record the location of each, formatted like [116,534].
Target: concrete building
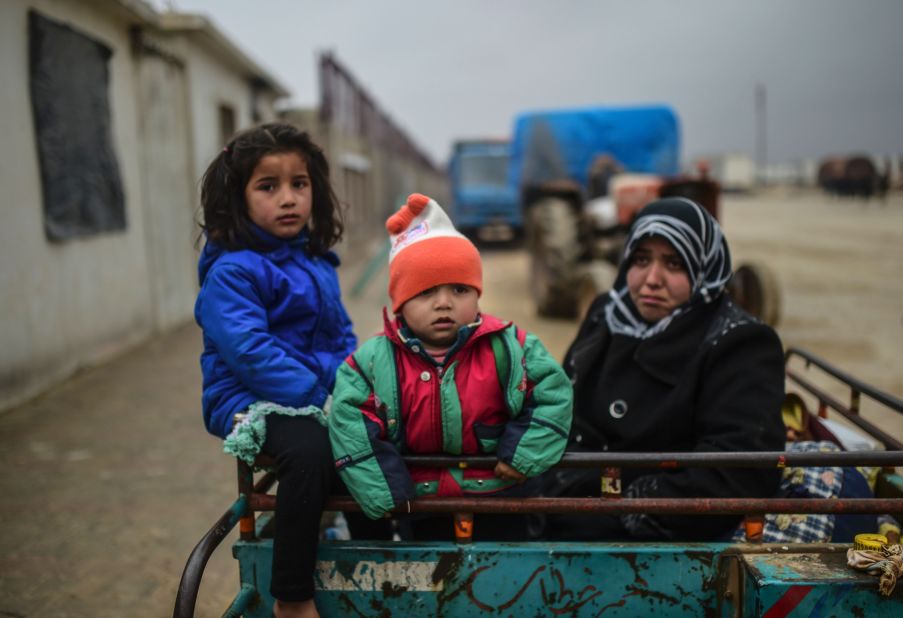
[111,112]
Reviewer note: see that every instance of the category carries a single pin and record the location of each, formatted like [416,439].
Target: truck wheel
[754,287]
[554,250]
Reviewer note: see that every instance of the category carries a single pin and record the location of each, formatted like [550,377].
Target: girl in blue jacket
[275,330]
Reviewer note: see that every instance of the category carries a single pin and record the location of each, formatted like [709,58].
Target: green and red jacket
[499,391]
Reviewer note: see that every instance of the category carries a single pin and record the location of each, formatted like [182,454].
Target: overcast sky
[832,69]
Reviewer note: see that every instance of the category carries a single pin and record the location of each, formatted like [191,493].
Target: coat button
[618,408]
[416,348]
[425,376]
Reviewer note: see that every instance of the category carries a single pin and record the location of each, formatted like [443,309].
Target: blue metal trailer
[374,578]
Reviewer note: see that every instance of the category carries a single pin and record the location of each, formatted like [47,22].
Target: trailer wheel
[554,250]
[754,287]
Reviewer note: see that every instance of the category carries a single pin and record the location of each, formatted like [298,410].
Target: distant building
[735,171]
[111,112]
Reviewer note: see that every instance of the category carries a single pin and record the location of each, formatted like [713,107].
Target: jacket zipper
[437,404]
[318,322]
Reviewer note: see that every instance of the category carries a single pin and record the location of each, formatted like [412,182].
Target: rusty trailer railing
[254,497]
[857,388]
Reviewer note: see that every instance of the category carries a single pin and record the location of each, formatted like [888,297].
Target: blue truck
[483,202]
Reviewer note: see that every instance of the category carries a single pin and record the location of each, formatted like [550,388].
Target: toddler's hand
[506,472]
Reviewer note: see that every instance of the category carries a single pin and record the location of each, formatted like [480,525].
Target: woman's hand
[507,473]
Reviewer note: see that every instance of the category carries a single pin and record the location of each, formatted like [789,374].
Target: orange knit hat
[428,251]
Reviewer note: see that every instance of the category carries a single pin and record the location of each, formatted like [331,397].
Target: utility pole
[761,133]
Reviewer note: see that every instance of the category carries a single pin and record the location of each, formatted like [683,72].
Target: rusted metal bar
[245,480]
[819,393]
[855,418]
[463,528]
[698,506]
[766,459]
[754,526]
[187,594]
[245,488]
[869,391]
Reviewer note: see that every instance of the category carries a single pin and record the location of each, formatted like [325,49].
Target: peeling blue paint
[387,579]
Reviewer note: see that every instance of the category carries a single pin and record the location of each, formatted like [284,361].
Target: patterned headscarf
[698,240]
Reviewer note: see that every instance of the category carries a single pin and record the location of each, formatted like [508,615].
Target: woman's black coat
[712,381]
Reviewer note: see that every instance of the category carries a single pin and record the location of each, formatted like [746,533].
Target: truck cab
[483,203]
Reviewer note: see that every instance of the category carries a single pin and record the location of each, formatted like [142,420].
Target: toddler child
[444,378]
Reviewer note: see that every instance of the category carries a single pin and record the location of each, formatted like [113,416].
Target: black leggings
[306,476]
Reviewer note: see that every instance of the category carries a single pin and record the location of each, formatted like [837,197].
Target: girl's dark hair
[226,220]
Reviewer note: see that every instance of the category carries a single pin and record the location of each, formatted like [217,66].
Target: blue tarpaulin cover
[562,144]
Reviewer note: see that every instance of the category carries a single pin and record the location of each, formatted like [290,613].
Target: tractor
[582,175]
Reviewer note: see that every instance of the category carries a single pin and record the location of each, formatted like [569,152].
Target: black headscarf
[696,237]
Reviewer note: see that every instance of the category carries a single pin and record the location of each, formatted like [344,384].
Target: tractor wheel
[598,277]
[552,241]
[754,287]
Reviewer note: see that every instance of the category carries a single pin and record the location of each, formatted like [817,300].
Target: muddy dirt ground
[109,479]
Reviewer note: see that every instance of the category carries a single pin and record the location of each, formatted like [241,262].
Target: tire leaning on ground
[754,287]
[552,240]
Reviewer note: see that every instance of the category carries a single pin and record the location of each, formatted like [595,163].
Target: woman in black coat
[666,362]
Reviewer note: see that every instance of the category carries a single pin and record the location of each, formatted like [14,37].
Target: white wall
[72,303]
[213,84]
[178,144]
[168,188]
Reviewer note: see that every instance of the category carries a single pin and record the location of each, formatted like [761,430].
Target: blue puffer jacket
[274,328]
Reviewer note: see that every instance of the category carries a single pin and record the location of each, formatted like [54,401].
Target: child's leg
[359,525]
[507,527]
[304,469]
[486,526]
[362,527]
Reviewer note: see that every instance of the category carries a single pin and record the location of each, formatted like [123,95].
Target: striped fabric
[696,237]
